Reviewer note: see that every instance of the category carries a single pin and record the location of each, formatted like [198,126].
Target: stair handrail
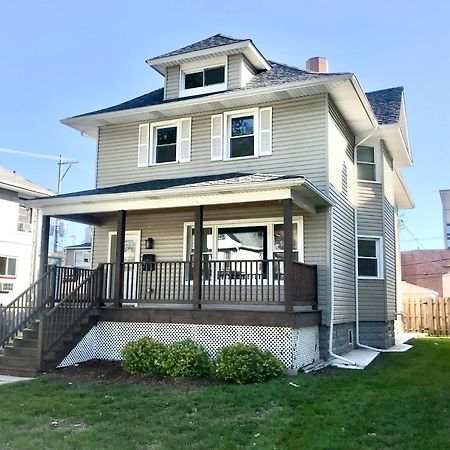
[71,309]
[19,313]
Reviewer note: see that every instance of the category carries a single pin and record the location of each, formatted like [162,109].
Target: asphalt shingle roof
[279,74]
[214,41]
[187,182]
[386,104]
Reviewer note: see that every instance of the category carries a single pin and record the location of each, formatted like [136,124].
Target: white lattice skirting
[295,347]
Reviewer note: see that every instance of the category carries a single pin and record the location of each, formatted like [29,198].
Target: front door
[132,254]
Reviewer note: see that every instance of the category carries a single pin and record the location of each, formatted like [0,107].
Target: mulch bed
[111,371]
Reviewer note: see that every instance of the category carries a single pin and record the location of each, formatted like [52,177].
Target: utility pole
[61,176]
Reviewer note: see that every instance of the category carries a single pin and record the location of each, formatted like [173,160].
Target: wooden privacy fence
[427,315]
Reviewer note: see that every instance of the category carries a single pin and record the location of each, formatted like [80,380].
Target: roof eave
[88,124]
[247,47]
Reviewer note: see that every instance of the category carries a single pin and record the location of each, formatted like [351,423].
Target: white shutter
[185,140]
[265,131]
[143,145]
[216,137]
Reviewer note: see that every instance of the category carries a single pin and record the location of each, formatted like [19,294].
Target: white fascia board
[403,197]
[396,144]
[364,100]
[94,121]
[160,63]
[109,203]
[25,190]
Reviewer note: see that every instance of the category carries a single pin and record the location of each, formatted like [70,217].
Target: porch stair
[37,338]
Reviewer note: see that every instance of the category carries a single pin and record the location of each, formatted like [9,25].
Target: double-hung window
[8,266]
[165,139]
[369,257]
[164,142]
[242,136]
[365,158]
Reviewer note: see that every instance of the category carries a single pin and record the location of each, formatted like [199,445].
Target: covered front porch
[242,248]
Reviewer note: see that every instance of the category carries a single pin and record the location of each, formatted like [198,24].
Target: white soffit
[393,136]
[222,101]
[403,197]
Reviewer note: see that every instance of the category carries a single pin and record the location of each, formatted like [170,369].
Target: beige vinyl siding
[372,293]
[316,250]
[341,144]
[172,82]
[390,260]
[370,209]
[299,148]
[372,300]
[167,230]
[234,71]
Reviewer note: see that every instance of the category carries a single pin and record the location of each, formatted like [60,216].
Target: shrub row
[237,363]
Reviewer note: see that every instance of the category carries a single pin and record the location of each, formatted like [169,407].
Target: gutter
[241,93]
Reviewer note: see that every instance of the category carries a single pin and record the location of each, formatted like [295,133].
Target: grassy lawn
[402,401]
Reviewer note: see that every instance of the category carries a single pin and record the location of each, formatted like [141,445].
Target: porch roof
[182,192]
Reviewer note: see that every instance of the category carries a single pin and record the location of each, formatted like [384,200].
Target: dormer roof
[218,45]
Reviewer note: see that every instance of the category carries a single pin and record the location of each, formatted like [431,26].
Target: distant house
[246,200]
[78,255]
[19,233]
[427,268]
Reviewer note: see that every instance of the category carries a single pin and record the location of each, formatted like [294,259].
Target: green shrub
[143,356]
[187,359]
[244,363]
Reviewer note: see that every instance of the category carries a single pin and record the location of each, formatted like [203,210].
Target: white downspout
[330,342]
[356,245]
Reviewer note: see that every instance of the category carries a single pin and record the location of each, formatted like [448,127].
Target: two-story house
[246,200]
[19,234]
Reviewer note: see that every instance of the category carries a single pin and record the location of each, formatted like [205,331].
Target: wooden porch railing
[245,282]
[305,284]
[26,307]
[60,319]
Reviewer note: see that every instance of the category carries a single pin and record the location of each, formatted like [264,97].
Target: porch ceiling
[227,189]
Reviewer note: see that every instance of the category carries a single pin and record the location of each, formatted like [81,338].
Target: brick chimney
[317,64]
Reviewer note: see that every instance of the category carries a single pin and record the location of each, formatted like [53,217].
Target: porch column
[45,232]
[120,248]
[289,294]
[198,253]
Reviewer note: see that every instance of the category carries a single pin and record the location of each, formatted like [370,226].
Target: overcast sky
[61,58]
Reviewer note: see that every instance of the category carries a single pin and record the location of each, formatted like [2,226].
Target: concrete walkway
[5,379]
[362,357]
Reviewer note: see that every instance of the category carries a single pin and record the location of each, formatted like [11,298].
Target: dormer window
[203,77]
[206,77]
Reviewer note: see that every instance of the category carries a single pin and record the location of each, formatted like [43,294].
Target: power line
[419,244]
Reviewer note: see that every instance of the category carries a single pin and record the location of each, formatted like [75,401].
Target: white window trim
[378,247]
[198,66]
[269,222]
[152,137]
[376,163]
[6,276]
[227,116]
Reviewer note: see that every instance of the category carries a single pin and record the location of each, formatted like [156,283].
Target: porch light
[149,243]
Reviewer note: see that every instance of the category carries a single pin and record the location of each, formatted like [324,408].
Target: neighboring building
[445,199]
[427,268]
[78,255]
[417,292]
[286,180]
[19,228]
